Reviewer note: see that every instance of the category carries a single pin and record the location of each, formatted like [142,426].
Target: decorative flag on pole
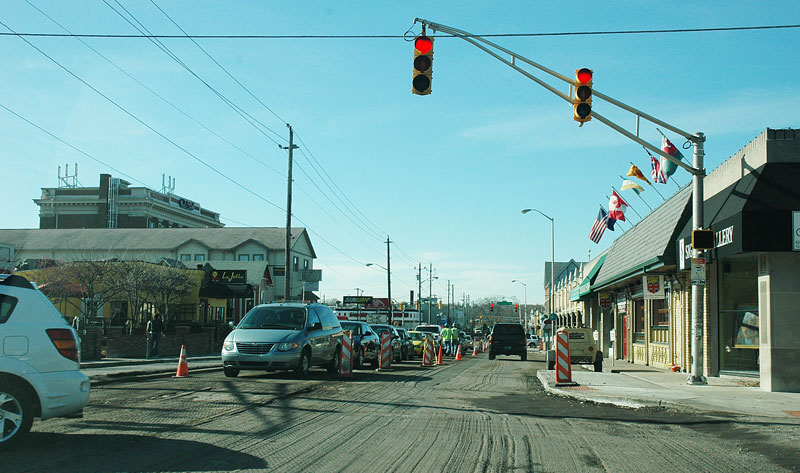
[617,206]
[610,223]
[667,166]
[656,173]
[628,184]
[599,226]
[635,172]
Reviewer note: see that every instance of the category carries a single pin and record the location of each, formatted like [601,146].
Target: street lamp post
[552,262]
[389,291]
[525,291]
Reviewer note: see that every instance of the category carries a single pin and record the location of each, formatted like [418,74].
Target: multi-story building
[115,204]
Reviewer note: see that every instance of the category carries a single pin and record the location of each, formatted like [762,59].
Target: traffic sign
[504,303]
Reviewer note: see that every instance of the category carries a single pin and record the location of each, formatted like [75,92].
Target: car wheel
[333,365]
[523,357]
[551,365]
[230,372]
[491,356]
[304,364]
[399,357]
[358,360]
[16,413]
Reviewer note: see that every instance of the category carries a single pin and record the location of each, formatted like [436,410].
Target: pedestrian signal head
[582,99]
[423,65]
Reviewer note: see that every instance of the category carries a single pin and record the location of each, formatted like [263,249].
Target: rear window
[355,328]
[7,304]
[511,329]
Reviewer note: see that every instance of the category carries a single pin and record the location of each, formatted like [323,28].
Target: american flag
[599,226]
[656,173]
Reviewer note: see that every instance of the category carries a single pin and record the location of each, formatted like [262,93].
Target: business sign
[796,231]
[311,275]
[357,300]
[698,271]
[229,276]
[605,300]
[653,287]
[504,303]
[279,271]
[310,285]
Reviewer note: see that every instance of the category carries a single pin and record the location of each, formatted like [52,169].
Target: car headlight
[288,346]
[227,346]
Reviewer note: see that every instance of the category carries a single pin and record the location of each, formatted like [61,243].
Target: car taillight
[65,342]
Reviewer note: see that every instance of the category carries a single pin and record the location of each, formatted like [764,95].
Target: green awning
[585,287]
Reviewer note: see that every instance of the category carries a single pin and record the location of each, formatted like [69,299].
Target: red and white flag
[617,207]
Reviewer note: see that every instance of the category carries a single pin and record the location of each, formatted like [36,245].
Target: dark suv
[508,339]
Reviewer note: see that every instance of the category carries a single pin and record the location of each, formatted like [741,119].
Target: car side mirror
[317,326]
[230,324]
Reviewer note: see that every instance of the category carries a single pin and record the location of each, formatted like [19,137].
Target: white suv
[39,361]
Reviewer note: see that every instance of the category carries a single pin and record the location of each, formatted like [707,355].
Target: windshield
[382,328]
[417,336]
[280,318]
[355,328]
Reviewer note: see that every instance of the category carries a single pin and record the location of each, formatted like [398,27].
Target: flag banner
[653,287]
[656,173]
[667,166]
[617,206]
[635,172]
[599,226]
[627,184]
[610,223]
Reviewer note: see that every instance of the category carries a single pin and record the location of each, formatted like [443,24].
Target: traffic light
[703,239]
[423,65]
[516,308]
[491,307]
[582,101]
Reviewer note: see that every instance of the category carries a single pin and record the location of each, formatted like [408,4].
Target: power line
[384,36]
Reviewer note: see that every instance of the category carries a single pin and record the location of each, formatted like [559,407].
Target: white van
[39,361]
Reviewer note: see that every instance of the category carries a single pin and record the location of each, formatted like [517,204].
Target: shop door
[625,337]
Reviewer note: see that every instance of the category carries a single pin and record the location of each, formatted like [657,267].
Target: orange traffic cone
[439,361]
[458,353]
[475,350]
[183,366]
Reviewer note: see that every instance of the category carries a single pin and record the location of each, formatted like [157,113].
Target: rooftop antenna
[66,180]
[169,186]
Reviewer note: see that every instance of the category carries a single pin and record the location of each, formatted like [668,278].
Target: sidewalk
[630,385]
[109,370]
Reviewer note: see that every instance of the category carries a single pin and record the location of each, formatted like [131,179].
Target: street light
[525,287]
[552,259]
[390,307]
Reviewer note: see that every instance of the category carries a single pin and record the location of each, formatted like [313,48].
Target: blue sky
[444,175]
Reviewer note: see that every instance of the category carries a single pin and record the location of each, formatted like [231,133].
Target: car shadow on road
[85,453]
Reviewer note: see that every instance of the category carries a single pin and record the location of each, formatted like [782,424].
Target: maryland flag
[635,172]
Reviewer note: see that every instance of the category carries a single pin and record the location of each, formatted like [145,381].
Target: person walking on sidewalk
[154,329]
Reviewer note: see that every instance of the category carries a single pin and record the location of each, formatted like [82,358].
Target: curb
[629,403]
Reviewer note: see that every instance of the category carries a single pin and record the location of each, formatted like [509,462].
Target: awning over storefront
[649,244]
[754,214]
[585,287]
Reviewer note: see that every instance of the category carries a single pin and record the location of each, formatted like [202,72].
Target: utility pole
[389,278]
[430,291]
[287,271]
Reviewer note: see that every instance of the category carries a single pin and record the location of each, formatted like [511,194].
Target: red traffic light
[423,44]
[584,76]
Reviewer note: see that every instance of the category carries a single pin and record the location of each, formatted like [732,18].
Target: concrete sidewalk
[109,370]
[630,385]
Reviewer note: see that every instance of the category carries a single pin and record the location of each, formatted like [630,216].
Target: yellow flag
[635,172]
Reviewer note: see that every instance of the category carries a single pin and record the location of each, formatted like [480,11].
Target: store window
[738,314]
[258,257]
[638,320]
[244,257]
[659,313]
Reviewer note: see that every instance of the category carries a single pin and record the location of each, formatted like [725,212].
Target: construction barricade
[427,351]
[346,365]
[563,368]
[386,351]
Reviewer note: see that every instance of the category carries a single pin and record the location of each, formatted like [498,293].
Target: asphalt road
[470,416]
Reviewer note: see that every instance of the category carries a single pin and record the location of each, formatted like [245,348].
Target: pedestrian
[454,339]
[446,339]
[156,328]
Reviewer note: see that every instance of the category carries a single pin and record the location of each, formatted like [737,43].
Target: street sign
[698,271]
[504,303]
[357,300]
[796,231]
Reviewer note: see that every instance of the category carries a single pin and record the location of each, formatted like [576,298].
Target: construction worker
[454,337]
[446,339]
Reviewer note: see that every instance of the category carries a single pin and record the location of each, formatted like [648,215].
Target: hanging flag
[628,184]
[599,226]
[635,172]
[610,223]
[656,173]
[617,206]
[667,166]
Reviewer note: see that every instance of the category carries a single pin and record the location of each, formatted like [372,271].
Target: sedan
[397,344]
[365,343]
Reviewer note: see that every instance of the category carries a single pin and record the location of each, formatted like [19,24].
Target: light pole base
[697,380]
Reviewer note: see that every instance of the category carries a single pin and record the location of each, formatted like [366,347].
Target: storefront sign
[622,307]
[279,271]
[653,287]
[605,300]
[229,276]
[311,286]
[311,275]
[699,271]
[357,300]
[723,237]
[796,231]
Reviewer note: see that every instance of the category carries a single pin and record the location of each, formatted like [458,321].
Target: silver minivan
[284,336]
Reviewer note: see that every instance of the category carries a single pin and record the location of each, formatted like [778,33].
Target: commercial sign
[279,271]
[504,303]
[796,231]
[311,275]
[357,300]
[699,271]
[310,285]
[229,276]
[605,300]
[653,287]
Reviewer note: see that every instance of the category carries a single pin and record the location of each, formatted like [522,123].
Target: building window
[244,257]
[305,264]
[258,257]
[186,257]
[659,313]
[199,257]
[638,320]
[295,263]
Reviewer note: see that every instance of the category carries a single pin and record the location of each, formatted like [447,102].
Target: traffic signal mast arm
[486,45]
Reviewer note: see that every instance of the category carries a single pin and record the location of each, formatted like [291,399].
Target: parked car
[397,344]
[466,342]
[533,341]
[436,330]
[508,339]
[407,343]
[284,336]
[39,361]
[418,339]
[582,348]
[365,343]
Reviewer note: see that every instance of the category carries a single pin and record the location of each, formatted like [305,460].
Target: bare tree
[168,286]
[99,282]
[136,279]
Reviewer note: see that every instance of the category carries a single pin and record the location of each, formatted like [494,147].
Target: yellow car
[418,338]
